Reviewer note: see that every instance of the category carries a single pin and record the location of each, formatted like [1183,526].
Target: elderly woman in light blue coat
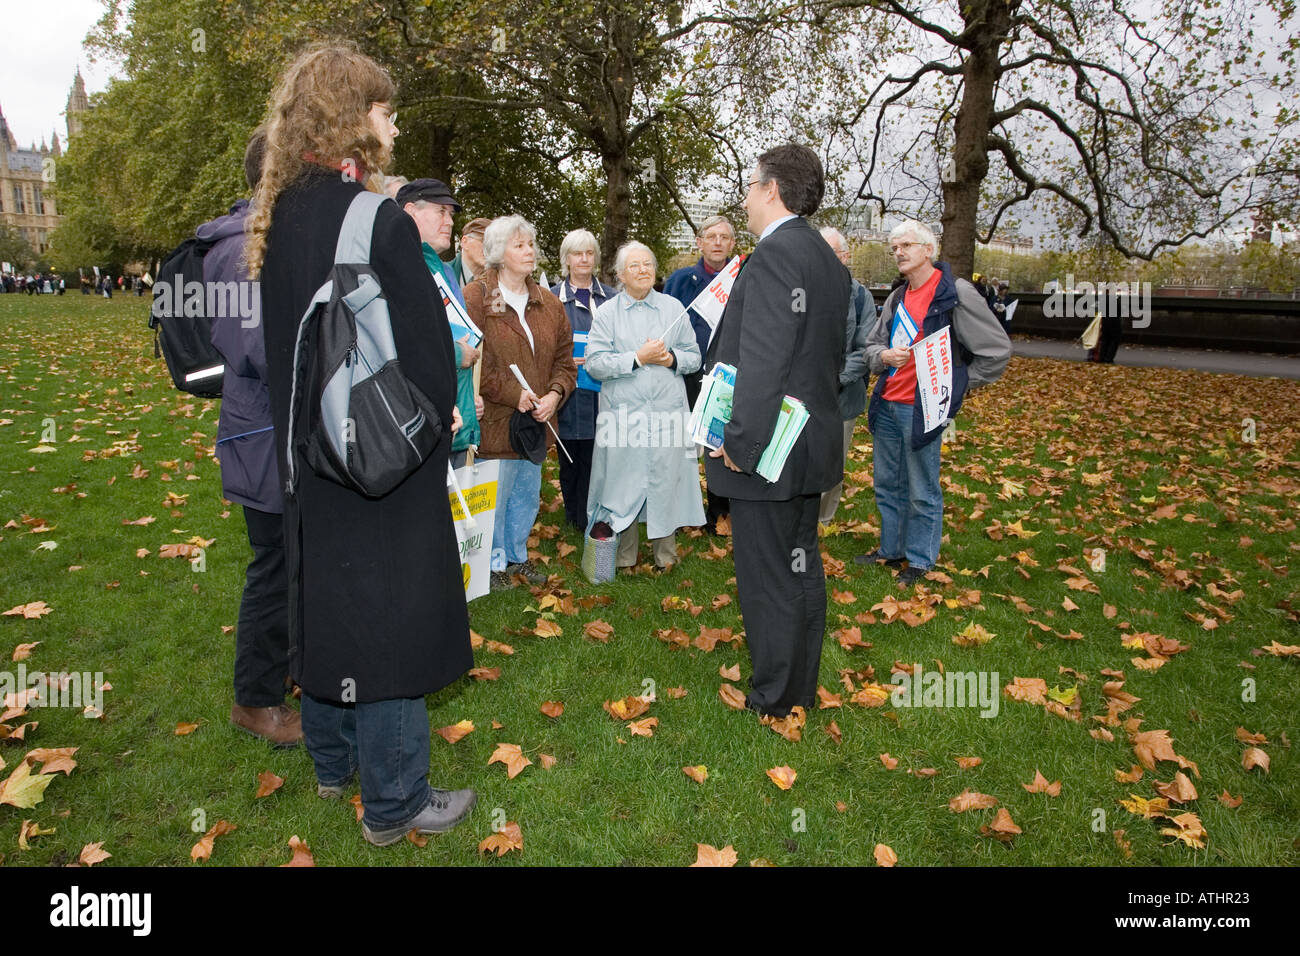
[644,467]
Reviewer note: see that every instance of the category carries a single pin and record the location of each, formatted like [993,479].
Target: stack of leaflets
[713,411]
[789,426]
[713,407]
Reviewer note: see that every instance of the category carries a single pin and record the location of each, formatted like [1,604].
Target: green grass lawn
[1198,526]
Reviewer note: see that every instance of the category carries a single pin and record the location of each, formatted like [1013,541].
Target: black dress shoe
[879,557]
[909,576]
[750,705]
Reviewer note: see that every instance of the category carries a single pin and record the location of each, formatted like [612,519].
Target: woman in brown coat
[525,325]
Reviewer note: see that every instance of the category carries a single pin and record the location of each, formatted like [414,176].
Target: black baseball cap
[427,190]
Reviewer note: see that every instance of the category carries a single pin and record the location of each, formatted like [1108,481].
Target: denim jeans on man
[386,740]
[519,496]
[907,489]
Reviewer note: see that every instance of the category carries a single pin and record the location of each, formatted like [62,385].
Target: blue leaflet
[903,332]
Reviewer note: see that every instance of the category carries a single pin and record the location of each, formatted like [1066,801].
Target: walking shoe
[446,808]
[326,792]
[500,581]
[281,725]
[526,568]
[879,557]
[909,576]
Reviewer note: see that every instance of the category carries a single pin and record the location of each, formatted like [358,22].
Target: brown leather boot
[281,725]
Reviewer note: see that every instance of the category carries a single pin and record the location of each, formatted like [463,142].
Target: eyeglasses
[752,183]
[903,246]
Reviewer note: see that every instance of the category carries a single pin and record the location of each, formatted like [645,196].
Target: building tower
[78,103]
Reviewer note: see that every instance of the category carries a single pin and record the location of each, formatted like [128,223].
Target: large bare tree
[1148,123]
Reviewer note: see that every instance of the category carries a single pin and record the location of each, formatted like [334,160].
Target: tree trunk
[440,140]
[618,208]
[962,180]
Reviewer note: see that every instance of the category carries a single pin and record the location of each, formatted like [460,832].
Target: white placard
[478,486]
[934,376]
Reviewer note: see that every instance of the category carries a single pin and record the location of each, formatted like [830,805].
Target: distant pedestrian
[1004,306]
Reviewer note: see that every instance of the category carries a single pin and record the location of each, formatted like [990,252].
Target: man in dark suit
[783,330]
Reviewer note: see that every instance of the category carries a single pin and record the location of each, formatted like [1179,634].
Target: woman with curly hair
[376,603]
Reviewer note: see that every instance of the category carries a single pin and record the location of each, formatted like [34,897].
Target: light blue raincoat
[644,457]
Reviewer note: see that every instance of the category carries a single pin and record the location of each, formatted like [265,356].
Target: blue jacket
[245,436]
[981,349]
[577,416]
[684,285]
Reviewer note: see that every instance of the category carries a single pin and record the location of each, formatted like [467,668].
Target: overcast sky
[39,55]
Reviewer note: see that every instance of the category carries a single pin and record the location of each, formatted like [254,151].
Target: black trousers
[717,505]
[575,479]
[782,590]
[262,636]
[1112,330]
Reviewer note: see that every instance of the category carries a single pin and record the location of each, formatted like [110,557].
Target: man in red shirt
[906,454]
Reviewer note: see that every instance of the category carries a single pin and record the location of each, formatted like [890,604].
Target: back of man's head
[798,174]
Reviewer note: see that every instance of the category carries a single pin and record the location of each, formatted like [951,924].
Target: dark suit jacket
[783,330]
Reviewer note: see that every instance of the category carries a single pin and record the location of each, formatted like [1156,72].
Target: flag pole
[663,336]
[524,383]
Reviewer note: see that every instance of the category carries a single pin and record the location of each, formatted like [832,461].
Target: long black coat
[376,595]
[783,330]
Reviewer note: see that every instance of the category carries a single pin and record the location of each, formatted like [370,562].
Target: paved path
[1235,363]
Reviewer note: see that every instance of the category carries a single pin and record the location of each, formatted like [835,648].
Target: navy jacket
[577,416]
[245,436]
[684,285]
[981,349]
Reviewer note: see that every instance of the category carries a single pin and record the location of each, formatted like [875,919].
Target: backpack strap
[358,226]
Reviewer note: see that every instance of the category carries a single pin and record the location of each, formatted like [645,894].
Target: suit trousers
[262,634]
[782,591]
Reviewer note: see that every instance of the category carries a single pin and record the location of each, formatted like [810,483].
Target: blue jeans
[907,489]
[519,497]
[386,740]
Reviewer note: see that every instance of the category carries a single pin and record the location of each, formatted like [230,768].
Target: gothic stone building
[27,176]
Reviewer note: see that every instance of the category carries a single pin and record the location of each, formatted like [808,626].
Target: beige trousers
[831,499]
[665,548]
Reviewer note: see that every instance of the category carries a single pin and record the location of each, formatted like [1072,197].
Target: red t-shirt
[901,386]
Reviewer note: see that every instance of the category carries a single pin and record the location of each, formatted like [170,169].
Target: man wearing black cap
[430,203]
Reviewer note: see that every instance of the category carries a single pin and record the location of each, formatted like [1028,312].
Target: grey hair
[620,258]
[712,221]
[498,234]
[917,232]
[392,184]
[579,240]
[830,232]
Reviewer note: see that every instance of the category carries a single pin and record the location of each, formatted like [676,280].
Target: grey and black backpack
[366,426]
